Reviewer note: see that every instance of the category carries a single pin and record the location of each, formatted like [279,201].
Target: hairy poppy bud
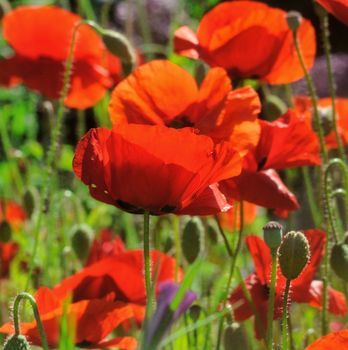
[234,338]
[81,240]
[30,200]
[273,107]
[339,260]
[5,231]
[294,19]
[16,342]
[119,46]
[192,239]
[293,254]
[272,234]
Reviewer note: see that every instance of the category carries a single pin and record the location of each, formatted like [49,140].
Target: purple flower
[164,317]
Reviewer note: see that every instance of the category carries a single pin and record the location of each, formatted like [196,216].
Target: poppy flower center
[180,122]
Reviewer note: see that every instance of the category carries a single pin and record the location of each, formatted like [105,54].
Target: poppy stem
[285,316]
[147,265]
[314,98]
[233,256]
[51,158]
[222,233]
[18,299]
[176,229]
[270,310]
[325,34]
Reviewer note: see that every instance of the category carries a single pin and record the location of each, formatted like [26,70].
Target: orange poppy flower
[250,40]
[155,168]
[303,105]
[338,8]
[162,93]
[41,50]
[337,340]
[91,321]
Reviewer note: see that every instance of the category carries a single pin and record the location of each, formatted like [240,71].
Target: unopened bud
[119,46]
[5,232]
[81,240]
[17,342]
[273,107]
[192,239]
[30,200]
[294,254]
[294,19]
[234,338]
[194,312]
[272,234]
[339,260]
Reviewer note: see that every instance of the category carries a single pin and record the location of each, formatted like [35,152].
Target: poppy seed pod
[294,254]
[339,260]
[17,342]
[192,239]
[294,19]
[5,232]
[81,240]
[272,234]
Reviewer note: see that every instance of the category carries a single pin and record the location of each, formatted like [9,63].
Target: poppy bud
[81,240]
[234,338]
[195,311]
[192,239]
[119,46]
[17,342]
[326,121]
[30,200]
[339,260]
[294,19]
[273,107]
[272,234]
[5,231]
[293,254]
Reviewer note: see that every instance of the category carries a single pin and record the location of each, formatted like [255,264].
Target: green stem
[147,265]
[314,99]
[222,233]
[176,229]
[270,310]
[232,269]
[310,197]
[285,341]
[325,34]
[27,296]
[51,158]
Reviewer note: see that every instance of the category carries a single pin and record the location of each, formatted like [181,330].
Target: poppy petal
[139,98]
[337,8]
[337,340]
[186,42]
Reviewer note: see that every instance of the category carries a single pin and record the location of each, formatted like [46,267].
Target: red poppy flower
[303,105]
[120,278]
[304,289]
[337,340]
[155,168]
[162,93]
[7,253]
[250,40]
[285,142]
[15,215]
[41,50]
[338,8]
[105,246]
[90,321]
